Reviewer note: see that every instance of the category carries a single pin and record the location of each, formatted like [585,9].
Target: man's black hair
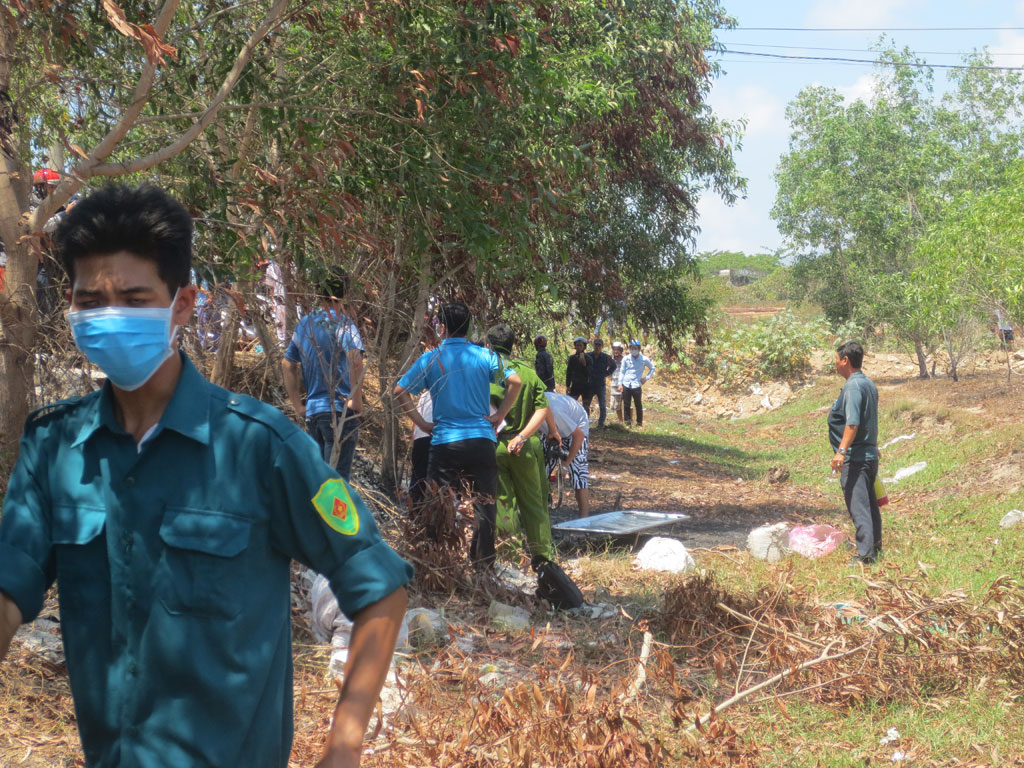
[143,220]
[852,350]
[334,285]
[501,338]
[455,317]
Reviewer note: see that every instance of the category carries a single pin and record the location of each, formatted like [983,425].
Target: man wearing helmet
[43,182]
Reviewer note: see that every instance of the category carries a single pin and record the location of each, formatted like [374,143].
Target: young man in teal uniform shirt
[168,511]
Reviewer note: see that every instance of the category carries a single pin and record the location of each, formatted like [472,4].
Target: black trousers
[632,395]
[598,391]
[858,481]
[420,460]
[476,460]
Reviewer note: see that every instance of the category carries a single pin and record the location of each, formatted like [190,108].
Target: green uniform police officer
[522,481]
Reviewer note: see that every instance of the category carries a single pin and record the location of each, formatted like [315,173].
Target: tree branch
[781,676]
[70,184]
[272,19]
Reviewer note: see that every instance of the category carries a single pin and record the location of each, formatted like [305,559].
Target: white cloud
[857,13]
[1009,42]
[763,110]
[740,227]
[863,88]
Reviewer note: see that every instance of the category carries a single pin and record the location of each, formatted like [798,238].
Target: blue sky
[759,89]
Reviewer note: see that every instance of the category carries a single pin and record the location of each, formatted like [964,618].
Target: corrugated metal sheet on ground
[621,522]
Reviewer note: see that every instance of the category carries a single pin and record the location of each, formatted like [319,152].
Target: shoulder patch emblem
[336,508]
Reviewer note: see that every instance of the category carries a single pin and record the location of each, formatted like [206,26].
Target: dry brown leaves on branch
[154,47]
[434,537]
[553,718]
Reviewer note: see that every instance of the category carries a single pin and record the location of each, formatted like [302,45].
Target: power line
[875,62]
[866,50]
[871,29]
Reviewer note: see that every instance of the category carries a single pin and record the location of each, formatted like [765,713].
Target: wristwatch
[842,450]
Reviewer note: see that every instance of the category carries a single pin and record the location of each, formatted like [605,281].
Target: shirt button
[129,481]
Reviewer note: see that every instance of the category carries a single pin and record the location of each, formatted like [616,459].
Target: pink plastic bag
[815,540]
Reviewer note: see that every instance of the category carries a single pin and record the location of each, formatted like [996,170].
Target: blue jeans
[322,430]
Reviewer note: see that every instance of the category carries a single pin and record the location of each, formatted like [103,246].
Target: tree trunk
[19,316]
[225,360]
[18,310]
[922,358]
[951,351]
[291,312]
[389,471]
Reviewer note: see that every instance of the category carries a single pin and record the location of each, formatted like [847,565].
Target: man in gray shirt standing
[853,433]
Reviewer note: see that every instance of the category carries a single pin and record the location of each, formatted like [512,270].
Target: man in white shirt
[567,422]
[637,370]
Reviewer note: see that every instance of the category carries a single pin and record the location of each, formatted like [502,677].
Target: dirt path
[722,489]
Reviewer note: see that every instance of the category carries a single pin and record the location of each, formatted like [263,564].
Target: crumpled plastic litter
[896,439]
[330,625]
[891,735]
[815,540]
[905,472]
[1012,518]
[663,554]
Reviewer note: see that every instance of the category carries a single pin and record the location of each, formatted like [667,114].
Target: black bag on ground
[555,586]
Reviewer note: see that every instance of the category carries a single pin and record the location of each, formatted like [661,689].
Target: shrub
[779,347]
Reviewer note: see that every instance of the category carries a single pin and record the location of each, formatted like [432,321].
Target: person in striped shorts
[568,424]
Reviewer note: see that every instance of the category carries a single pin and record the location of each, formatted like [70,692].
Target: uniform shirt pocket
[79,548]
[203,568]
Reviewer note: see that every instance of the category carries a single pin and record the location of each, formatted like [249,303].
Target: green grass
[934,732]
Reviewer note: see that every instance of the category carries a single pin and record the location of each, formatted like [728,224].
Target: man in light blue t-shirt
[326,351]
[463,436]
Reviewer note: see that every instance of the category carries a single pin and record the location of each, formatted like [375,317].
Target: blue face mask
[128,344]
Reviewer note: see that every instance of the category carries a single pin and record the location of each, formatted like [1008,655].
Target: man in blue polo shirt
[463,432]
[326,351]
[168,511]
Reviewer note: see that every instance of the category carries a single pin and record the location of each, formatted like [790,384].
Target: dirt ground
[630,473]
